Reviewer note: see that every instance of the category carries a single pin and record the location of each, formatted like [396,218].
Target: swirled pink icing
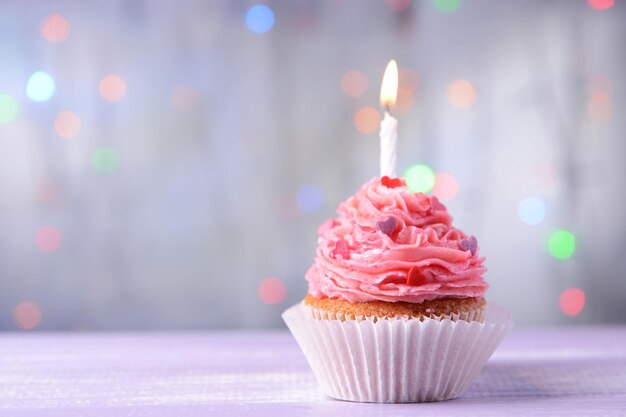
[391,244]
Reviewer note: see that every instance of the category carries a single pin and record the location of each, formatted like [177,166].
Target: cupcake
[395,310]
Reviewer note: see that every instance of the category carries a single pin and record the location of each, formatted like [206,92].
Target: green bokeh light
[104,160]
[420,178]
[561,244]
[8,108]
[447,6]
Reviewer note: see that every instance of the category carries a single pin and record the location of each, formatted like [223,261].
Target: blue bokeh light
[40,86]
[310,198]
[531,210]
[260,18]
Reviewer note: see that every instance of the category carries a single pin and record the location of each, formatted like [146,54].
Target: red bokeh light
[55,28]
[27,315]
[48,239]
[354,83]
[272,290]
[67,124]
[599,106]
[461,93]
[367,120]
[407,85]
[572,301]
[112,88]
[600,83]
[48,192]
[600,4]
[446,186]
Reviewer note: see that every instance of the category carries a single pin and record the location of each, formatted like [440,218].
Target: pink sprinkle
[388,225]
[391,182]
[470,244]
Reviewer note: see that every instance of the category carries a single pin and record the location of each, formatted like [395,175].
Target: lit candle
[389,125]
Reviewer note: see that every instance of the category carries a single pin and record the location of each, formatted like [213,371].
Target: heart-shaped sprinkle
[388,225]
[390,182]
[414,277]
[341,249]
[470,244]
[436,204]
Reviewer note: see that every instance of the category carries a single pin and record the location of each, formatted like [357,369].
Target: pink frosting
[391,244]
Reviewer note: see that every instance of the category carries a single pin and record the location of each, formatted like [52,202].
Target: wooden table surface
[559,371]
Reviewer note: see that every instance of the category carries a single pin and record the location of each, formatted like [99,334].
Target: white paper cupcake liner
[398,360]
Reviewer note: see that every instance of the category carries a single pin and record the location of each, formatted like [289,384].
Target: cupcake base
[395,360]
[469,309]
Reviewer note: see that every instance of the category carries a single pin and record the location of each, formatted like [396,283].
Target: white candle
[388,139]
[389,124]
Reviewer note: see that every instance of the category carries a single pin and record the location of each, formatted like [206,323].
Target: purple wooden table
[567,371]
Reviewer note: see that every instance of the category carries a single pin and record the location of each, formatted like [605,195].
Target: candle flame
[389,89]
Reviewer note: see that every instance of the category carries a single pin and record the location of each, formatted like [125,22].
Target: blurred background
[165,165]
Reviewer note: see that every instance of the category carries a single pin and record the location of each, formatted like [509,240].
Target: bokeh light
[27,315]
[354,83]
[600,4]
[446,186]
[420,178]
[112,88]
[447,6]
[599,106]
[309,198]
[67,124]
[8,109]
[367,120]
[104,160]
[185,98]
[287,207]
[600,83]
[407,85]
[40,86]
[461,93]
[48,192]
[572,301]
[55,28]
[562,244]
[259,18]
[408,79]
[398,5]
[531,210]
[48,239]
[272,290]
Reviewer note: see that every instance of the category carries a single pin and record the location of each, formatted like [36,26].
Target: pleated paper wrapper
[371,359]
